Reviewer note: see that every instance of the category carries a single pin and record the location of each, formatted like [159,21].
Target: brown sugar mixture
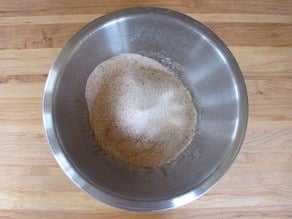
[140,112]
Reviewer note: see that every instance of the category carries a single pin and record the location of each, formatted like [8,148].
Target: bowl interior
[205,66]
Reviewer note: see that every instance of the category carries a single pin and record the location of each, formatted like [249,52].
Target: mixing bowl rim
[77,177]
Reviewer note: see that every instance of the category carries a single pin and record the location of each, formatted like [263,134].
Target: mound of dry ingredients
[140,112]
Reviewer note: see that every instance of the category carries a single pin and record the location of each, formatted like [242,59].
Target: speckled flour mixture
[140,112]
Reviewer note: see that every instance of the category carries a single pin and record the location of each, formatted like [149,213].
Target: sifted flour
[140,112]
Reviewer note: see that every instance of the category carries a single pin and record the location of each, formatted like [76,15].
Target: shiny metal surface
[206,67]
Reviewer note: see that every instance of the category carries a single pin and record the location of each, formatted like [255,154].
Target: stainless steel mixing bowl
[206,67]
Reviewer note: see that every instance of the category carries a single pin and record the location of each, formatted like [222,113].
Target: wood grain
[85,18]
[254,61]
[259,183]
[29,7]
[54,36]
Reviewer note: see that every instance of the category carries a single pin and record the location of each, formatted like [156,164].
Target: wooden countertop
[259,183]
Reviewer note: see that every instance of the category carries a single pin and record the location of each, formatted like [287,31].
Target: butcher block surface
[258,184]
